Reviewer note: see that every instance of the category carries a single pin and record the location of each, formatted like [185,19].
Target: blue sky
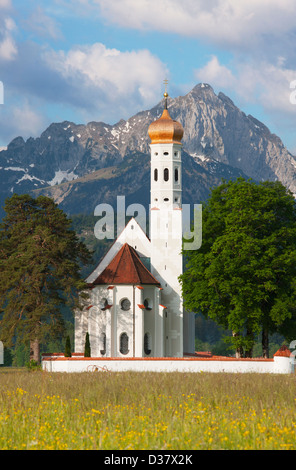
[105,60]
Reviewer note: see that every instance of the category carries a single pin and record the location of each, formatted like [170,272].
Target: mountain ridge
[69,161]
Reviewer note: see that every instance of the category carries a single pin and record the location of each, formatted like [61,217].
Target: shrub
[87,346]
[68,347]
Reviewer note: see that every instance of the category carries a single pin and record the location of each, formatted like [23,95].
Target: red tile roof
[284,351]
[125,268]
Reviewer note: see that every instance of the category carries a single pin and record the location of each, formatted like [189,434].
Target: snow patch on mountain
[30,178]
[61,176]
[15,168]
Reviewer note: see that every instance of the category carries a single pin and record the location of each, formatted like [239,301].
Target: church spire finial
[166,94]
[165,130]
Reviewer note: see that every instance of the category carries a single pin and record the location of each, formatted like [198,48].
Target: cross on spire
[166,93]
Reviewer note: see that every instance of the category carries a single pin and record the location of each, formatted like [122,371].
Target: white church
[134,315]
[133,311]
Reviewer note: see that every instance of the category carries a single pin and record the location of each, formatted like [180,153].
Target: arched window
[123,343]
[148,304]
[166,174]
[125,305]
[103,339]
[147,344]
[176,175]
[103,304]
[156,174]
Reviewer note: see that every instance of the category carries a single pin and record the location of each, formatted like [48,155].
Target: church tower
[133,311]
[166,227]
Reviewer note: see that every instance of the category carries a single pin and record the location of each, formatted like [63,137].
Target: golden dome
[165,130]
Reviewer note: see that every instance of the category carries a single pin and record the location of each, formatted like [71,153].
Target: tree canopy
[244,274]
[40,261]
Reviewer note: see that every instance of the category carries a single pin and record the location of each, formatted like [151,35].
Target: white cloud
[216,74]
[42,24]
[268,84]
[109,83]
[21,119]
[28,121]
[111,75]
[254,83]
[5,4]
[8,47]
[230,21]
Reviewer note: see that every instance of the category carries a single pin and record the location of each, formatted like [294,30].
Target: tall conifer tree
[40,260]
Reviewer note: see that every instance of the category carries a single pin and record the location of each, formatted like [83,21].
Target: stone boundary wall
[280,364]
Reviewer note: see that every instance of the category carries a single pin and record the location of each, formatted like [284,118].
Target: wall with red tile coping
[77,357]
[198,362]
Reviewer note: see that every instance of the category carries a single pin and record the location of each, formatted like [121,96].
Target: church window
[156,153]
[166,174]
[147,304]
[155,174]
[166,199]
[103,351]
[147,344]
[165,153]
[123,343]
[103,304]
[176,175]
[125,305]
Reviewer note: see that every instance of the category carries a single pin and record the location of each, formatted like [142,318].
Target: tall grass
[128,410]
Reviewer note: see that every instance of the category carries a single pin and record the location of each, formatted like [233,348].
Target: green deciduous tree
[244,274]
[40,260]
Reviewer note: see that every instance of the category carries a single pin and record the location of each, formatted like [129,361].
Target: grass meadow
[153,411]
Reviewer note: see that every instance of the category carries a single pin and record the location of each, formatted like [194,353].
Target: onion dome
[165,130]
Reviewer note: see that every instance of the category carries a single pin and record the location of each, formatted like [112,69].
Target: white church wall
[150,296]
[124,319]
[166,261]
[93,330]
[105,316]
[78,328]
[164,190]
[99,318]
[81,328]
[278,365]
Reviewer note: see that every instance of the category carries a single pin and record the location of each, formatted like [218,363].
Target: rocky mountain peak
[218,139]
